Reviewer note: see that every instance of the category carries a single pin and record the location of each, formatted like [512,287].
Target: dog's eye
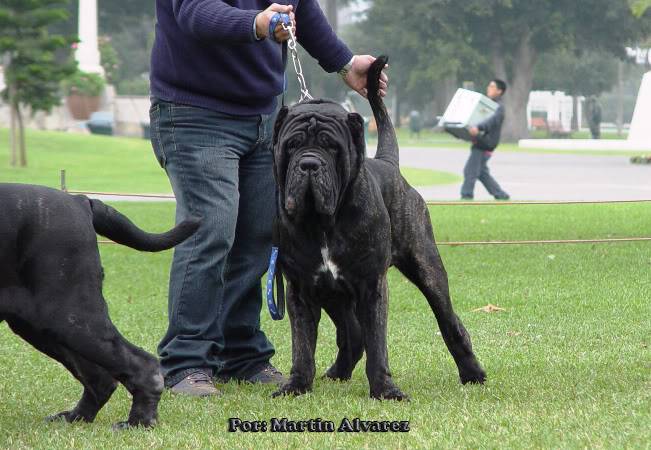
[294,142]
[326,141]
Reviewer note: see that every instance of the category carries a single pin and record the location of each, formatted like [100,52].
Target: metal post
[63,180]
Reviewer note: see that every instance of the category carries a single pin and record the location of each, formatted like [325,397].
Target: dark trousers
[220,168]
[477,169]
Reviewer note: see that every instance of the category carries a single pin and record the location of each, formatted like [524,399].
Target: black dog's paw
[68,416]
[334,374]
[146,424]
[390,393]
[473,377]
[291,389]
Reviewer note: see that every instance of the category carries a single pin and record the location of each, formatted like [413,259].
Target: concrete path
[539,176]
[528,176]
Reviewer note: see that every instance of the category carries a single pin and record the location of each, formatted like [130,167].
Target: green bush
[82,83]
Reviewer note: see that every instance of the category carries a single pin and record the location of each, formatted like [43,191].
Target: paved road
[540,176]
[531,176]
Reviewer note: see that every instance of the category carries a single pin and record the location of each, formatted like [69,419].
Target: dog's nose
[308,163]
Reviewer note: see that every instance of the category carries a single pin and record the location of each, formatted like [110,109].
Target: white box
[466,109]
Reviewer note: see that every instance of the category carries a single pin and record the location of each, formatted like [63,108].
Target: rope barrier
[539,202]
[553,241]
[117,194]
[429,203]
[530,242]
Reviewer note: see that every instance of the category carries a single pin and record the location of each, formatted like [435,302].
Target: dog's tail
[387,144]
[111,224]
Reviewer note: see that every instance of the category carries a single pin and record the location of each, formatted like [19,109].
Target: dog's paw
[473,377]
[334,374]
[291,389]
[390,393]
[68,416]
[121,426]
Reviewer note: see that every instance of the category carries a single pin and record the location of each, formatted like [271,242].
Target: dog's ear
[356,126]
[280,119]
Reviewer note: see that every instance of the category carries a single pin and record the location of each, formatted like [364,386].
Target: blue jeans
[220,168]
[477,169]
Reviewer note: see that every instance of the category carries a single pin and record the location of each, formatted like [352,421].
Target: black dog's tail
[387,144]
[110,223]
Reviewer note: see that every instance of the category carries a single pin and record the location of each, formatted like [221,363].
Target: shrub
[82,83]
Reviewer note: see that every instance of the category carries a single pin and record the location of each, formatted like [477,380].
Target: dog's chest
[327,270]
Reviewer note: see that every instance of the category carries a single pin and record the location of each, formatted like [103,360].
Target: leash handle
[273,23]
[277,310]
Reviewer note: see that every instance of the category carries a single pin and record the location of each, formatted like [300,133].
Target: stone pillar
[639,131]
[87,54]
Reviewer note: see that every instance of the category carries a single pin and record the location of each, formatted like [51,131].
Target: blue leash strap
[277,310]
[273,23]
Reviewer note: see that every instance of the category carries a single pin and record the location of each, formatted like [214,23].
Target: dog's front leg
[372,312]
[304,320]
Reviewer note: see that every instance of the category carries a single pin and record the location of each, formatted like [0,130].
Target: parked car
[101,122]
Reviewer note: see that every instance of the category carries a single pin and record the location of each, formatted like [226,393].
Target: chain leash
[291,44]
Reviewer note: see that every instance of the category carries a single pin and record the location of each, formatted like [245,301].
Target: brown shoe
[267,374]
[197,384]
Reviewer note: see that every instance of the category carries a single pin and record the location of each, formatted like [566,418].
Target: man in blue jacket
[215,76]
[486,137]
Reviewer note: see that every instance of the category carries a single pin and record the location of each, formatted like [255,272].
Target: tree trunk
[515,100]
[331,14]
[13,132]
[396,108]
[575,113]
[21,137]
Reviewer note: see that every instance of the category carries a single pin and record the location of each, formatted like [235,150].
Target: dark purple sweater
[205,53]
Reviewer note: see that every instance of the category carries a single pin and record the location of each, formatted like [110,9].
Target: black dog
[344,220]
[51,293]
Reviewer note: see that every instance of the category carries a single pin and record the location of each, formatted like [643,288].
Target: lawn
[568,361]
[112,164]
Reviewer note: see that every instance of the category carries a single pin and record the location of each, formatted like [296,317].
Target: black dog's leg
[96,339]
[372,312]
[349,342]
[98,384]
[422,265]
[304,321]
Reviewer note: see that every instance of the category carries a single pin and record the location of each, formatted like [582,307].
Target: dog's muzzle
[311,185]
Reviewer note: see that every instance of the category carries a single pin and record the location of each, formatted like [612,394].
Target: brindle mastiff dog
[343,221]
[51,293]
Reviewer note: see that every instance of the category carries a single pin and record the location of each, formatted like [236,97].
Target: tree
[577,74]
[331,9]
[508,36]
[514,33]
[424,53]
[640,6]
[33,69]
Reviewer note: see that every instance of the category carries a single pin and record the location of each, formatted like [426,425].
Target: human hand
[356,76]
[474,131]
[263,19]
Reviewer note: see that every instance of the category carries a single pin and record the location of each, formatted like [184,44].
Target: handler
[486,137]
[215,76]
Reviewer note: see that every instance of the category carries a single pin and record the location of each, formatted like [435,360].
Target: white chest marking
[328,264]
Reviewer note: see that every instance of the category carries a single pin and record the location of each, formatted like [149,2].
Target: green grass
[568,362]
[91,162]
[426,177]
[110,164]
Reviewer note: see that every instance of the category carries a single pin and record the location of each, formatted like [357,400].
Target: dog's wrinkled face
[318,152]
